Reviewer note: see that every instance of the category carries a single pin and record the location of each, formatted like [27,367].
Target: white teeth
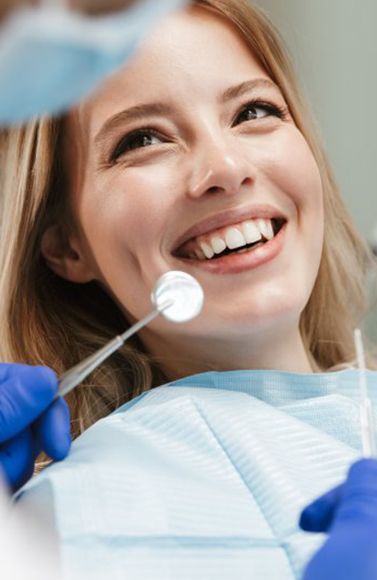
[265,227]
[200,254]
[207,250]
[218,245]
[251,232]
[234,239]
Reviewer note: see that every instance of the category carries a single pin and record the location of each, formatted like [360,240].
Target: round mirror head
[182,292]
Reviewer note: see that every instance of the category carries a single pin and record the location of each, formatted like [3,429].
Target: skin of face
[205,157]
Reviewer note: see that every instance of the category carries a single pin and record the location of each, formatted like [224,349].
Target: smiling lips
[236,238]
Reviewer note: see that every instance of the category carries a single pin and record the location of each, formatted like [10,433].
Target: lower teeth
[245,250]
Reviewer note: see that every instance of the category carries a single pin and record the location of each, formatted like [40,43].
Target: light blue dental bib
[203,478]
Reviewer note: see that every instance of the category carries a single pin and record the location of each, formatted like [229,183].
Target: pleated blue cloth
[204,478]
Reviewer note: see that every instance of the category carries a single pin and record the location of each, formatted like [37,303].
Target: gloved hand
[348,513]
[30,421]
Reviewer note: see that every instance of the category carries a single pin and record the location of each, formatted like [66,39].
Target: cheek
[293,172]
[132,201]
[293,169]
[146,194]
[124,216]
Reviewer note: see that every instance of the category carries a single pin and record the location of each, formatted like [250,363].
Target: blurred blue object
[30,420]
[50,57]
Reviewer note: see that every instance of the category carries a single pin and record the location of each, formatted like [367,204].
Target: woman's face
[186,151]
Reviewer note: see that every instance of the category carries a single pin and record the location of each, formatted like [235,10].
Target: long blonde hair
[47,320]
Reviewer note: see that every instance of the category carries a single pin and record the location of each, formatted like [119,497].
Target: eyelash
[272,109]
[123,146]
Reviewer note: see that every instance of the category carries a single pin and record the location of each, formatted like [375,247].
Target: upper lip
[228,217]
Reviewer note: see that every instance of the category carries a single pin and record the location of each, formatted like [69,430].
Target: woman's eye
[135,140]
[258,110]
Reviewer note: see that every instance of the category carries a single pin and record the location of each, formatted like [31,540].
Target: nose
[219,166]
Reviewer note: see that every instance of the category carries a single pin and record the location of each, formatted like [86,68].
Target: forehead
[193,53]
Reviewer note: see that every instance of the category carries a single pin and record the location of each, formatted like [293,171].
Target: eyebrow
[247,87]
[139,112]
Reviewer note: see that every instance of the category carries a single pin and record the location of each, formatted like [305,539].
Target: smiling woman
[199,156]
[177,156]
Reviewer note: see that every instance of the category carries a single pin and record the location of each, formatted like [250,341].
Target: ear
[65,256]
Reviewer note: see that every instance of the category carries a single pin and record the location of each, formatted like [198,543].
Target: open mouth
[238,238]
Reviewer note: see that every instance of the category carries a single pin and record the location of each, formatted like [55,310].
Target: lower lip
[237,263]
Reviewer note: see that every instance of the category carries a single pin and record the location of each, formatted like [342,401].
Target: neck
[183,356]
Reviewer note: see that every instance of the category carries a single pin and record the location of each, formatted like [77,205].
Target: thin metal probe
[75,375]
[366,409]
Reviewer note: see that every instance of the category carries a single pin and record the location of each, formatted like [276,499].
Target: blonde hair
[48,320]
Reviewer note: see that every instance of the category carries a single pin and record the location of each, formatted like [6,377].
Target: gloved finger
[24,394]
[359,498]
[17,458]
[52,430]
[318,516]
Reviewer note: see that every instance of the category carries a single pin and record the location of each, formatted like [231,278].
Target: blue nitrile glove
[51,57]
[348,514]
[30,421]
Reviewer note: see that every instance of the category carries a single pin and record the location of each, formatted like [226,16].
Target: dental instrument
[366,409]
[176,295]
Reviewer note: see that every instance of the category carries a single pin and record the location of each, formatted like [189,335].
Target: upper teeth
[232,237]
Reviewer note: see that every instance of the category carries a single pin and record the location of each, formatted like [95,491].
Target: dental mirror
[183,292]
[176,295]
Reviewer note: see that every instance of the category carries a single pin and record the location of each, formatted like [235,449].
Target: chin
[268,312]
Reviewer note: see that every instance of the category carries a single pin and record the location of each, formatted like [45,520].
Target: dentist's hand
[348,514]
[30,420]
